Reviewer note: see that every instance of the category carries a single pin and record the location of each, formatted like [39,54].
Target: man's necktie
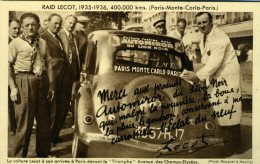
[204,40]
[70,36]
[59,40]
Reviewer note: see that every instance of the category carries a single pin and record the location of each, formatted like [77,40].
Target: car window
[155,59]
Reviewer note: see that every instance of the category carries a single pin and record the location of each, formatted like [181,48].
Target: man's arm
[50,74]
[12,53]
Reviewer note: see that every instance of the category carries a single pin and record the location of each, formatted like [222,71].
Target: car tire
[79,149]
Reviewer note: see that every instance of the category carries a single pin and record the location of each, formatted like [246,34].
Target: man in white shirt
[221,71]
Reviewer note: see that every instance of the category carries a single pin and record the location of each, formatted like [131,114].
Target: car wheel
[79,149]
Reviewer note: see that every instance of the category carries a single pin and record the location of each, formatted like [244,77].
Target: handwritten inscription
[223,113]
[169,108]
[106,110]
[160,86]
[170,148]
[107,95]
[217,83]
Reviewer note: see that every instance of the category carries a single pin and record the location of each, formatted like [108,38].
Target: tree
[103,20]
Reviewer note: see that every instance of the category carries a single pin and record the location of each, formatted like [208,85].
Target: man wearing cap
[160,27]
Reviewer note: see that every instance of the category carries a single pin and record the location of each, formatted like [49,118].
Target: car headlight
[209,125]
[88,119]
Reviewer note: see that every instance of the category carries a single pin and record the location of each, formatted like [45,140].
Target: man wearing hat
[159,25]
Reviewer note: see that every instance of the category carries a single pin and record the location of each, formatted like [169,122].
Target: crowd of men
[44,68]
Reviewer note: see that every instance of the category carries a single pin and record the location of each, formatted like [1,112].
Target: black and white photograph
[125,82]
[89,84]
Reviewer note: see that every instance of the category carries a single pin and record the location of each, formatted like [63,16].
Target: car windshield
[151,59]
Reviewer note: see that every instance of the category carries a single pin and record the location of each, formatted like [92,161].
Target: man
[60,106]
[82,39]
[221,71]
[14,29]
[44,26]
[28,81]
[70,44]
[45,23]
[179,33]
[191,42]
[160,27]
[180,29]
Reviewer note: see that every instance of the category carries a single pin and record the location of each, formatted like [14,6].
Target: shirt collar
[67,32]
[51,33]
[11,37]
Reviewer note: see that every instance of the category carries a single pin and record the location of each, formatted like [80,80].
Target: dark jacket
[67,49]
[57,54]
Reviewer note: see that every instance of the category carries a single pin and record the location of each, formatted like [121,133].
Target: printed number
[122,7]
[166,134]
[181,131]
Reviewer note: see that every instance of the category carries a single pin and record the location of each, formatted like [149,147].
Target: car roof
[103,33]
[132,26]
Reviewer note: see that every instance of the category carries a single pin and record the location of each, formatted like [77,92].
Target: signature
[188,147]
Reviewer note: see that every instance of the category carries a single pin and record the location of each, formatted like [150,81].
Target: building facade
[238,25]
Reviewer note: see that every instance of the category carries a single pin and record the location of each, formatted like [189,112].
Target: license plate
[158,134]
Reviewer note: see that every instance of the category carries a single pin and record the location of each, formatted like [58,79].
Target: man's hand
[189,76]
[51,95]
[14,94]
[74,91]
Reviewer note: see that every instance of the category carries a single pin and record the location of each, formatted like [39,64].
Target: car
[133,103]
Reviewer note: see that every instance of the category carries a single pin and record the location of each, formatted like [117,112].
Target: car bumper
[99,145]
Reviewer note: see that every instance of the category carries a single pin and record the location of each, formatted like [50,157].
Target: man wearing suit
[70,44]
[220,67]
[60,107]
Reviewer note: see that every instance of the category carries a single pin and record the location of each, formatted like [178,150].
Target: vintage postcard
[129,82]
